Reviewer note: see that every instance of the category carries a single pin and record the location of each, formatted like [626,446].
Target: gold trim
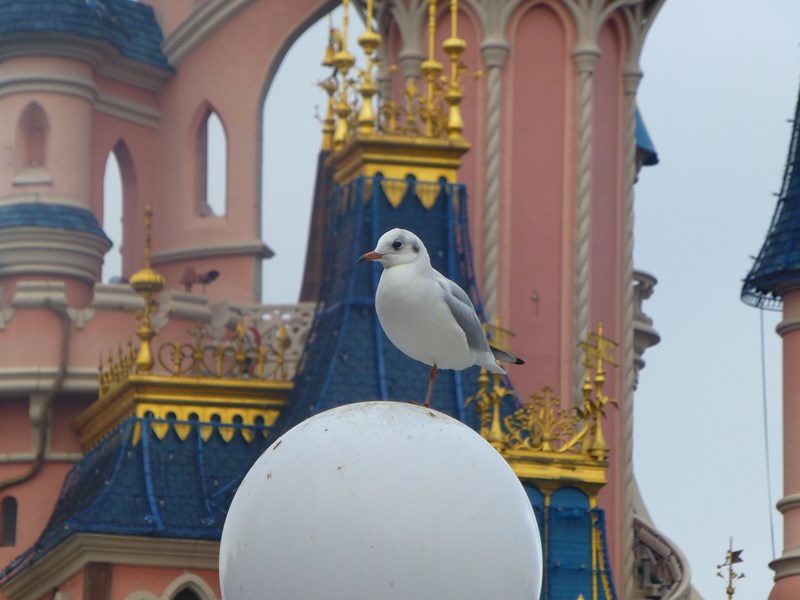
[161,395]
[544,442]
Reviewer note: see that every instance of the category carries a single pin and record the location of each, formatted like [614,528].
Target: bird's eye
[397,244]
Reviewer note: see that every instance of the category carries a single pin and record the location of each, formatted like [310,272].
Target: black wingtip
[506,356]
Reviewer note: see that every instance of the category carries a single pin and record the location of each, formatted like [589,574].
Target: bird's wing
[464,313]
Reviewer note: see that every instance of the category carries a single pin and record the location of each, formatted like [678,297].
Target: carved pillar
[585,57]
[495,51]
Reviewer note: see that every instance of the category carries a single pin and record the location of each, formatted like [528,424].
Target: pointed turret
[777,267]
[774,282]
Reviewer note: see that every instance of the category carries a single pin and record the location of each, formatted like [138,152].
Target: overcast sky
[721,79]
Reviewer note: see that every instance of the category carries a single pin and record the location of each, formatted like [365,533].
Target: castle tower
[552,128]
[774,282]
[552,123]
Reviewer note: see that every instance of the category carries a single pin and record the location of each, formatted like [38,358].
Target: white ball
[380,500]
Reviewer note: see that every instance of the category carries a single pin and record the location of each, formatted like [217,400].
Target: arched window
[8,521]
[212,166]
[32,138]
[289,177]
[188,587]
[112,217]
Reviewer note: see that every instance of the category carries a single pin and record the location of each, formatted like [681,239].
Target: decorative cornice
[494,51]
[42,198]
[255,247]
[81,87]
[122,108]
[88,50]
[788,565]
[100,55]
[40,379]
[50,251]
[198,27]
[787,503]
[69,557]
[788,325]
[56,83]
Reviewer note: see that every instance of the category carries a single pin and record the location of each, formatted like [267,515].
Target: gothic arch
[125,205]
[188,582]
[210,151]
[32,136]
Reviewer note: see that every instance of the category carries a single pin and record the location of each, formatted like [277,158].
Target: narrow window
[112,218]
[212,169]
[8,522]
[31,143]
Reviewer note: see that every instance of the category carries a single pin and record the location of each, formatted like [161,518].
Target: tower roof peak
[777,266]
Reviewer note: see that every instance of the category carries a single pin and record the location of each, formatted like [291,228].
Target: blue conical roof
[778,263]
[348,357]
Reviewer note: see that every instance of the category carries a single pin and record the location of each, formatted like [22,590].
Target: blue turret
[777,266]
[348,357]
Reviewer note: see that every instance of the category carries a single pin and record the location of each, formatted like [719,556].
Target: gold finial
[342,59]
[369,41]
[432,70]
[598,351]
[725,570]
[327,60]
[146,282]
[329,122]
[454,46]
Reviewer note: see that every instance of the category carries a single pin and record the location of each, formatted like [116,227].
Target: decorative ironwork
[543,429]
[432,112]
[265,344]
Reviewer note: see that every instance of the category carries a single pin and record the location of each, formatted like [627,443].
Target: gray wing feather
[464,313]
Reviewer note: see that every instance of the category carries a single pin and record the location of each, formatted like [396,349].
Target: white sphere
[380,500]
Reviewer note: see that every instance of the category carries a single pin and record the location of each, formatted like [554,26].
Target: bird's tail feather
[506,356]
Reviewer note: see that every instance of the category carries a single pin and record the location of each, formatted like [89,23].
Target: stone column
[494,51]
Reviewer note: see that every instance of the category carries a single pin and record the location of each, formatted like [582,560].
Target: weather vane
[725,570]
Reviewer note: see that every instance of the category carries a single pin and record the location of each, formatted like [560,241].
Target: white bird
[427,316]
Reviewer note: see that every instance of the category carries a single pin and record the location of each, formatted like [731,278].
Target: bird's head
[397,247]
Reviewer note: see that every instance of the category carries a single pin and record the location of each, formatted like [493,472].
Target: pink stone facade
[550,176]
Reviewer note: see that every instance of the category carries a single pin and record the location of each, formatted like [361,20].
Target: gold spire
[343,61]
[432,70]
[423,138]
[146,282]
[369,41]
[454,46]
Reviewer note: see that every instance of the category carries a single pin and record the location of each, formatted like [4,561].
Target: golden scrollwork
[242,356]
[430,112]
[543,438]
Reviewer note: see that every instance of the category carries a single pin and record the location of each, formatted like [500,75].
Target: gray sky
[721,79]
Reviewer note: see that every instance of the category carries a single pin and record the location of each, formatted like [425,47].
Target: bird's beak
[369,256]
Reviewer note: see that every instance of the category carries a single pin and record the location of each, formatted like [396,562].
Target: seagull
[427,316]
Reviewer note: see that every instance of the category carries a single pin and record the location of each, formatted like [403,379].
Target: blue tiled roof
[348,357]
[156,487]
[778,263]
[128,25]
[55,216]
[644,143]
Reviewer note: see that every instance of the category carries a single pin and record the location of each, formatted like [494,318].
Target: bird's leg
[434,369]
